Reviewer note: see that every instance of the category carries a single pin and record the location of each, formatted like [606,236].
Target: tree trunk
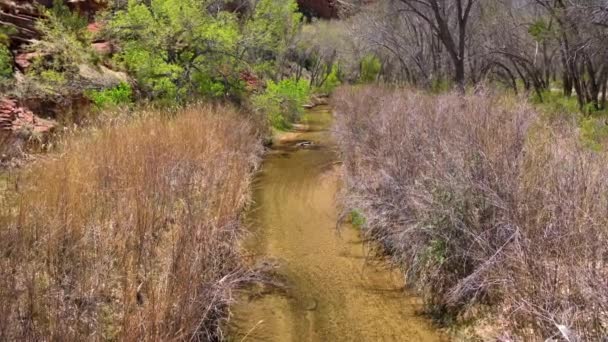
[459,73]
[567,84]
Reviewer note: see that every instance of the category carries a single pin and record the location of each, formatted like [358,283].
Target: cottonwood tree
[405,43]
[582,38]
[449,21]
[529,42]
[516,43]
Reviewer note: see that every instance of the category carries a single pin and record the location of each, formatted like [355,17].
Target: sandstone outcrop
[21,15]
[20,127]
[15,119]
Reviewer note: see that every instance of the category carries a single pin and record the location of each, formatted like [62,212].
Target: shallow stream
[333,292]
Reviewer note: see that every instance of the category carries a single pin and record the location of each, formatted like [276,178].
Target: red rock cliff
[22,14]
[326,9]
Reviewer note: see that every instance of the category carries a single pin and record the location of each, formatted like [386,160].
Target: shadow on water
[331,292]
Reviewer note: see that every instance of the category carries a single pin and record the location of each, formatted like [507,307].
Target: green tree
[269,32]
[177,48]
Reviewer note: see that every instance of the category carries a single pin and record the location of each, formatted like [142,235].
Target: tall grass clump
[482,204]
[130,232]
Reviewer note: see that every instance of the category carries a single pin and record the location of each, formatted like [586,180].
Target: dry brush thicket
[482,202]
[130,233]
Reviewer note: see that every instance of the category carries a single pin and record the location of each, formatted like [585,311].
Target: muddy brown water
[332,292]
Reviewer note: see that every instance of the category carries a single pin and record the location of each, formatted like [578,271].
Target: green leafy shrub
[172,45]
[63,48]
[555,103]
[6,59]
[52,77]
[268,33]
[121,94]
[208,86]
[539,30]
[370,69]
[357,219]
[594,133]
[332,81]
[6,63]
[439,86]
[65,40]
[283,101]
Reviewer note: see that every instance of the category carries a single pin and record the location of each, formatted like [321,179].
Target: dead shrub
[130,232]
[481,204]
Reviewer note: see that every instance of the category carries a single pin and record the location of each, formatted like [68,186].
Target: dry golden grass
[481,202]
[130,232]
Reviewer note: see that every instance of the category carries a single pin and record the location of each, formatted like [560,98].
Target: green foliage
[6,59]
[52,77]
[594,133]
[268,33]
[539,30]
[283,101]
[65,38]
[370,69]
[437,251]
[555,103]
[121,94]
[332,81]
[592,122]
[6,63]
[210,87]
[5,33]
[69,20]
[323,43]
[177,48]
[64,45]
[443,85]
[357,219]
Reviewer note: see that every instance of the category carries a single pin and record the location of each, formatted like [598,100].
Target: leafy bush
[556,103]
[65,42]
[283,102]
[370,69]
[268,33]
[439,86]
[6,59]
[592,122]
[171,45]
[6,63]
[121,94]
[357,219]
[63,48]
[594,133]
[540,30]
[332,81]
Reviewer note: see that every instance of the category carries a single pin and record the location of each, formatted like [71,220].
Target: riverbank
[129,231]
[329,292]
[491,210]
